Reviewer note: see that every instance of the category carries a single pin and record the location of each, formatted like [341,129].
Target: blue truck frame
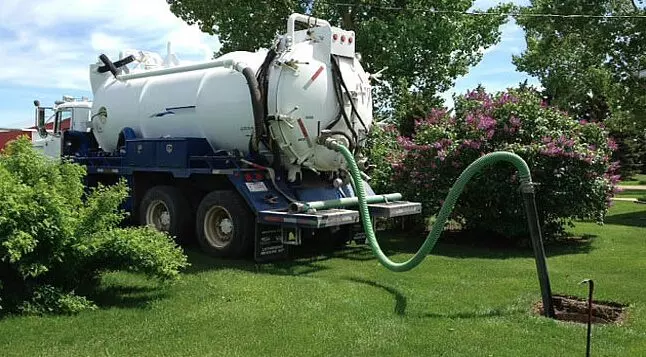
[192,163]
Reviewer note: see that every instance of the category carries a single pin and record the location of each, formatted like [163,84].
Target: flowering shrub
[569,160]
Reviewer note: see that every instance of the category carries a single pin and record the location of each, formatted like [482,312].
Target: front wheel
[224,225]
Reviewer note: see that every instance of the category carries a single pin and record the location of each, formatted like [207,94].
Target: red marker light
[259,176]
[248,177]
[335,37]
[350,40]
[343,38]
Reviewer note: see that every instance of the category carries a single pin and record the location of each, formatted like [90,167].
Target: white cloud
[50,43]
[511,31]
[189,40]
[103,42]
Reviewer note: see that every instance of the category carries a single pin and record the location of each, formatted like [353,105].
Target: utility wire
[471,13]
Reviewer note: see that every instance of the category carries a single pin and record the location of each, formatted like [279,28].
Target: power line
[509,14]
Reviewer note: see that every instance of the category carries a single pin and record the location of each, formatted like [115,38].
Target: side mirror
[40,122]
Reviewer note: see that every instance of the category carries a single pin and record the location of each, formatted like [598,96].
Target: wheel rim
[158,216]
[218,227]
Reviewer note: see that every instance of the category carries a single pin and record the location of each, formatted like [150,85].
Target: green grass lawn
[461,301]
[628,193]
[639,179]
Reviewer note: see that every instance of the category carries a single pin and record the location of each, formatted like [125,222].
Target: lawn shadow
[302,260]
[494,312]
[308,258]
[201,262]
[633,219]
[458,244]
[122,296]
[400,300]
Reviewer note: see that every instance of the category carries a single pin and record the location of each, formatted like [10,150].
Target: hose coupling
[332,144]
[298,207]
[527,186]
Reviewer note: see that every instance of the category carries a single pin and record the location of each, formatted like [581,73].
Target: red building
[6,135]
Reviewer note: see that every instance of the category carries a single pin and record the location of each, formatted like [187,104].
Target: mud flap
[268,244]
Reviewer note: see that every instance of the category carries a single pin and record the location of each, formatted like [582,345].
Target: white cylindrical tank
[215,103]
[212,103]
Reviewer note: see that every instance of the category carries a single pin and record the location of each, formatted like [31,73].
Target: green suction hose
[452,197]
[444,213]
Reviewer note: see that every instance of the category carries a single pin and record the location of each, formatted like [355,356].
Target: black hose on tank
[256,104]
[108,65]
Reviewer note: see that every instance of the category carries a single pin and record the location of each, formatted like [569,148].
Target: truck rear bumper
[337,216]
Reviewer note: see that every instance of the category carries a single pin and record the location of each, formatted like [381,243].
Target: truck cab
[53,134]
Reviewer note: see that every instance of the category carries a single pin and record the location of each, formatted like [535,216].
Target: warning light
[335,37]
[248,177]
[350,40]
[343,38]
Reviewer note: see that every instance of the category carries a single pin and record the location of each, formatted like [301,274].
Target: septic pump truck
[233,151]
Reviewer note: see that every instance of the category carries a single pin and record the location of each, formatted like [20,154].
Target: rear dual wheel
[224,225]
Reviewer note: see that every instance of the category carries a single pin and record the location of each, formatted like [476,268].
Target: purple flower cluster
[482,123]
[436,116]
[507,98]
[471,144]
[486,123]
[478,95]
[514,125]
[613,179]
[514,121]
[560,146]
[409,144]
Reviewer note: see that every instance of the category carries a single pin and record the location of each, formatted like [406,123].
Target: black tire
[224,225]
[160,199]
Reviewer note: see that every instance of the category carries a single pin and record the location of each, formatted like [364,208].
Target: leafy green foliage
[569,159]
[424,52]
[383,150]
[589,66]
[56,241]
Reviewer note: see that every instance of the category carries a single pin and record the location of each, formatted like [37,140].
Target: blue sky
[47,47]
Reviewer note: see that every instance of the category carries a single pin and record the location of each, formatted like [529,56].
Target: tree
[424,51]
[588,65]
[56,239]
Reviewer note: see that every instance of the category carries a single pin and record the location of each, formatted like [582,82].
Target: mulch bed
[574,309]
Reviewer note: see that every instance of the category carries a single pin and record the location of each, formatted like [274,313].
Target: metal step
[320,219]
[394,209]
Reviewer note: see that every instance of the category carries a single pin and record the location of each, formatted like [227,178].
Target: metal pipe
[180,69]
[309,20]
[341,202]
[588,339]
[527,190]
